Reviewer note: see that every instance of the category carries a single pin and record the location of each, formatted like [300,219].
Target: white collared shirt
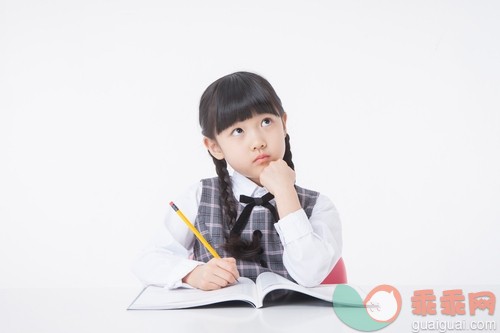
[312,246]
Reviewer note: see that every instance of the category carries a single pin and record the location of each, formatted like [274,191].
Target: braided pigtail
[227,199]
[288,153]
[245,249]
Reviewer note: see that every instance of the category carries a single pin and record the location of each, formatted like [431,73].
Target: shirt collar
[243,185]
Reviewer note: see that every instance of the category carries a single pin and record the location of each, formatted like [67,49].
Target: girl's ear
[214,148]
[283,120]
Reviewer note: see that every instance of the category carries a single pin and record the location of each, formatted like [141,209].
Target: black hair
[230,99]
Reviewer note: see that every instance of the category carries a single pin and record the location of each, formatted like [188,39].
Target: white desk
[104,310]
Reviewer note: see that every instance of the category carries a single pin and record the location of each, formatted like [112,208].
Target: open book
[159,298]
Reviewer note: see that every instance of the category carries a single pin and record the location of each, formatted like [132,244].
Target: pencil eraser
[173,206]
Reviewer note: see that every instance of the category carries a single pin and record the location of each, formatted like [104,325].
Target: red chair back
[338,274]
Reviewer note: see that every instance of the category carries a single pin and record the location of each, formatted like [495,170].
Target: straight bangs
[240,97]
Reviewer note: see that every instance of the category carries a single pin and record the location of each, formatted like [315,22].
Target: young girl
[257,219]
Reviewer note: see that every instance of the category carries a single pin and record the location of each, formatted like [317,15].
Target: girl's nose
[258,144]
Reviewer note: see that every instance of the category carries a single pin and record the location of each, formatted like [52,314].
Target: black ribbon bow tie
[251,203]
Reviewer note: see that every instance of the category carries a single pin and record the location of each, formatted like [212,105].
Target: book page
[159,298]
[268,281]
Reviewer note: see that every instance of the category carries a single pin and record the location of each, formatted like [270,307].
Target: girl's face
[250,145]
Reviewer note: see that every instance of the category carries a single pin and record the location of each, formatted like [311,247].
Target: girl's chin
[256,181]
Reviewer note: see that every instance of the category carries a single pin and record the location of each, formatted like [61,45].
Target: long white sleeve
[166,260]
[312,246]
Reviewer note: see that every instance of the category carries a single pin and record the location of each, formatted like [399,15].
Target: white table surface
[105,310]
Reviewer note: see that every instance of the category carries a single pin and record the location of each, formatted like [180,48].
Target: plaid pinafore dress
[209,223]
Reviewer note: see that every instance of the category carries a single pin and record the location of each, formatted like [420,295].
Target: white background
[394,113]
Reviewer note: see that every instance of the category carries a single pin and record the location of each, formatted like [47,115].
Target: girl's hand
[279,179]
[215,274]
[277,176]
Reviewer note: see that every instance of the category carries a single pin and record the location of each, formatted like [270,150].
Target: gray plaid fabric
[209,223]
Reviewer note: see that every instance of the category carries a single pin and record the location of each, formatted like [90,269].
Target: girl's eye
[266,122]
[237,131]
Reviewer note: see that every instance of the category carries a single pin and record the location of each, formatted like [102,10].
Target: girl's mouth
[261,158]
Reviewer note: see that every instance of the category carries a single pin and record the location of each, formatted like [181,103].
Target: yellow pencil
[196,232]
